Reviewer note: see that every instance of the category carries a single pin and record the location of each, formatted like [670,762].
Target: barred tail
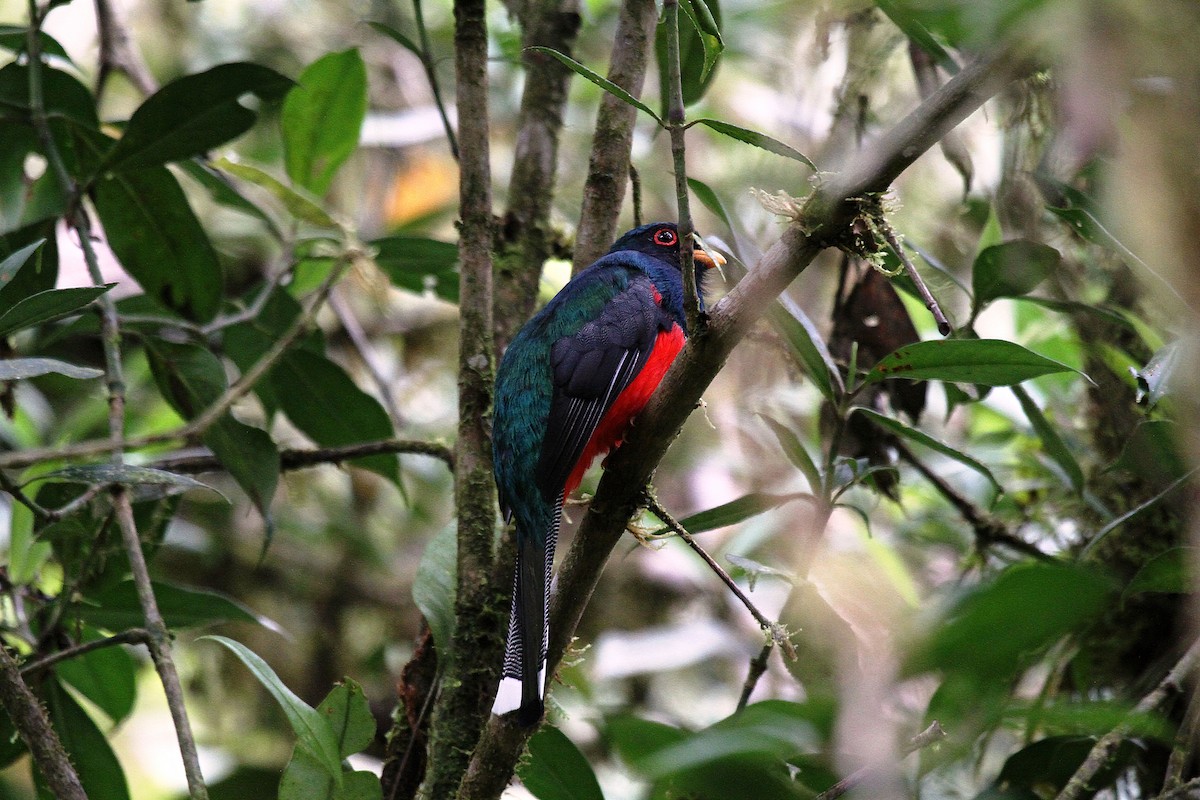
[523,682]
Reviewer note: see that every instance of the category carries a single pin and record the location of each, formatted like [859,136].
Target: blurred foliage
[1012,561]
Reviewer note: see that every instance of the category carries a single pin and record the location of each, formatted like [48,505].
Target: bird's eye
[665,237]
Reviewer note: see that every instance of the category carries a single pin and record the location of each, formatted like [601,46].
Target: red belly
[628,404]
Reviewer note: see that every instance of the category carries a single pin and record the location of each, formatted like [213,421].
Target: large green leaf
[48,306]
[349,716]
[700,47]
[1011,269]
[313,731]
[194,113]
[915,30]
[757,139]
[1168,572]
[15,369]
[325,403]
[117,607]
[804,341]
[735,511]
[411,261]
[12,262]
[796,452]
[63,94]
[1032,604]
[433,588]
[295,201]
[1053,443]
[602,82]
[191,378]
[157,238]
[322,118]
[106,676]
[15,38]
[28,276]
[98,768]
[988,362]
[222,191]
[913,434]
[556,770]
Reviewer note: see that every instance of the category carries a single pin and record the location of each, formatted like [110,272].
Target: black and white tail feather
[523,682]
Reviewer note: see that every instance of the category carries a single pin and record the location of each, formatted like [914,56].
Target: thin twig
[130,636]
[758,668]
[428,63]
[931,735]
[117,52]
[366,353]
[677,128]
[110,334]
[988,530]
[910,269]
[13,489]
[1104,749]
[29,718]
[303,458]
[777,633]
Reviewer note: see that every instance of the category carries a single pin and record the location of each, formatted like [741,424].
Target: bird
[567,388]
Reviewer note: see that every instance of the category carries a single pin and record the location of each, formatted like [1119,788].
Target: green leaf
[735,511]
[700,49]
[98,768]
[35,274]
[13,262]
[433,588]
[117,607]
[324,402]
[157,238]
[915,30]
[191,378]
[807,347]
[48,306]
[757,139]
[299,205]
[1168,572]
[1055,447]
[322,118]
[15,38]
[920,437]
[794,449]
[705,194]
[990,362]
[1033,604]
[411,261]
[63,94]
[1153,452]
[222,191]
[313,732]
[26,553]
[753,570]
[305,778]
[1011,269]
[1155,379]
[127,474]
[15,369]
[1050,762]
[603,83]
[193,114]
[106,676]
[346,710]
[556,770]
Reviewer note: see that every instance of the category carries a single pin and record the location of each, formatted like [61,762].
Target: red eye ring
[666,237]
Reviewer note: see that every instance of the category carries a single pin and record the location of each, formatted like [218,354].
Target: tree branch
[825,216]
[302,459]
[131,636]
[608,165]
[1104,749]
[472,661]
[29,718]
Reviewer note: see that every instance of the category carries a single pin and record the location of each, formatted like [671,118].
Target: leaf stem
[676,126]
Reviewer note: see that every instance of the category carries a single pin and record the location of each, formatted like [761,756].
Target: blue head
[660,242]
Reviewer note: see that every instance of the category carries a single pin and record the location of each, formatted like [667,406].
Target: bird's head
[660,240]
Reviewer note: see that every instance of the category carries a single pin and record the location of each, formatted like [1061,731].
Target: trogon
[567,388]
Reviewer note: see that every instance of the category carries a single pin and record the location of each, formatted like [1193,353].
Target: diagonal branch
[824,217]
